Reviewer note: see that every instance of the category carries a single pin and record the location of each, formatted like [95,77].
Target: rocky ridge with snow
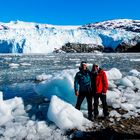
[121,35]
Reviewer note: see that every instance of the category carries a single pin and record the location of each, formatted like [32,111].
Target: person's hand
[103,93]
[77,93]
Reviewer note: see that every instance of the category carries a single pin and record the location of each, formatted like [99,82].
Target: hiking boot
[95,117]
[90,117]
[106,117]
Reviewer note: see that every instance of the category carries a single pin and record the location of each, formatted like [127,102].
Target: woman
[99,88]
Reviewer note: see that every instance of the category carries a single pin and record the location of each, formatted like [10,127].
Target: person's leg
[80,99]
[96,102]
[104,103]
[89,105]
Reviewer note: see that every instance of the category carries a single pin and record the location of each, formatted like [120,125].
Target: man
[99,89]
[82,87]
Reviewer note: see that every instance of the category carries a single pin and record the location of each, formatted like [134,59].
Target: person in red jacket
[99,88]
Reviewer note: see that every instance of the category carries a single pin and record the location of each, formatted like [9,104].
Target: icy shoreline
[123,97]
[124,128]
[26,75]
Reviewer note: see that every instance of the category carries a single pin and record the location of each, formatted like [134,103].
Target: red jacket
[101,82]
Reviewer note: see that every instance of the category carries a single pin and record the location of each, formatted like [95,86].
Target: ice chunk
[65,116]
[15,125]
[111,85]
[134,72]
[133,79]
[135,60]
[10,132]
[127,106]
[42,128]
[5,111]
[13,65]
[60,85]
[129,114]
[113,74]
[126,82]
[114,113]
[25,64]
[43,77]
[114,98]
[137,85]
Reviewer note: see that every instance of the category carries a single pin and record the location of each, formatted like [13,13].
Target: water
[20,81]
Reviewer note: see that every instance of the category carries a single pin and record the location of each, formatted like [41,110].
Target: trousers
[104,104]
[82,95]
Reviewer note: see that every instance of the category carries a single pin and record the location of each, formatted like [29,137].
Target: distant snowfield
[25,37]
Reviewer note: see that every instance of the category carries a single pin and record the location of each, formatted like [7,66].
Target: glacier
[28,37]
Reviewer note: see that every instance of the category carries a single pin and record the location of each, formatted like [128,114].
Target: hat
[83,63]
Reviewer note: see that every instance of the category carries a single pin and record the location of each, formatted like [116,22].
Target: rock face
[128,48]
[91,48]
[81,48]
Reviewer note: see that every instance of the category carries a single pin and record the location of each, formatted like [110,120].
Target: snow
[65,116]
[26,37]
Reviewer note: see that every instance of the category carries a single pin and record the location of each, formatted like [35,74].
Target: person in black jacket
[82,87]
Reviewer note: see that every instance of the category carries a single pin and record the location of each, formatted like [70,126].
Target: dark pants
[104,104]
[82,94]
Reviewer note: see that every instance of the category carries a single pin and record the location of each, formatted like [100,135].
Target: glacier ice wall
[24,37]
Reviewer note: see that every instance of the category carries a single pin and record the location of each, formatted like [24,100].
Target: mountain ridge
[29,37]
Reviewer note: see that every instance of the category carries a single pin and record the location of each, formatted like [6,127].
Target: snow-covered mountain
[113,35]
[126,24]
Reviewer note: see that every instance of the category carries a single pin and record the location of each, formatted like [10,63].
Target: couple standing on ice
[91,84]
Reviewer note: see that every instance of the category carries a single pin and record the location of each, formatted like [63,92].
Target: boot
[90,117]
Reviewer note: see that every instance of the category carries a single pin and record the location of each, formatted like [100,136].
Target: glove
[77,93]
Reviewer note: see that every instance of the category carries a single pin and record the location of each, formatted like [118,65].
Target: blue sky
[68,12]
